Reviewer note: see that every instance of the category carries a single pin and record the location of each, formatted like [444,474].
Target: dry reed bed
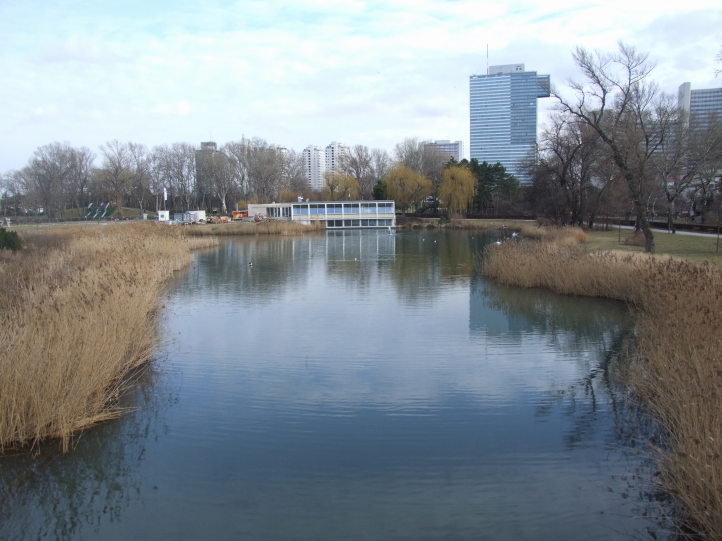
[676,370]
[560,235]
[272,227]
[77,314]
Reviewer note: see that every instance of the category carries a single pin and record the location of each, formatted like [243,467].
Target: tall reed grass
[77,314]
[560,235]
[676,368]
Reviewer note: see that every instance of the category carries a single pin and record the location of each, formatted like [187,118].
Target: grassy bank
[676,370]
[252,228]
[679,246]
[77,314]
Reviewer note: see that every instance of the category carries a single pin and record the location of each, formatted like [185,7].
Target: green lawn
[690,247]
[679,246]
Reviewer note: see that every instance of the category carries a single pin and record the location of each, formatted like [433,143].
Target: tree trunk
[647,230]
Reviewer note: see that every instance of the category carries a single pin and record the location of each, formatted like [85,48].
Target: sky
[300,72]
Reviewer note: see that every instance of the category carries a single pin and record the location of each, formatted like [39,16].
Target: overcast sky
[299,72]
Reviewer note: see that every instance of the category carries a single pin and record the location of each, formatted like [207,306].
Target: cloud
[304,72]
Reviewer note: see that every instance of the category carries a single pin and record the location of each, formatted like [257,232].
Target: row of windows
[359,223]
[343,208]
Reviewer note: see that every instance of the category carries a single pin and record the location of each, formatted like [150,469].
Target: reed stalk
[676,368]
[77,314]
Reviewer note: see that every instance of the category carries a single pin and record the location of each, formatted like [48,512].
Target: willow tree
[456,191]
[406,186]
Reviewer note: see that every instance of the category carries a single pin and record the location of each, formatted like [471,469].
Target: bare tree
[141,164]
[380,163]
[265,167]
[81,175]
[6,180]
[433,163]
[182,174]
[564,172]
[116,172]
[339,186]
[222,180]
[357,162]
[158,185]
[48,174]
[706,186]
[235,151]
[294,173]
[410,152]
[620,103]
[175,170]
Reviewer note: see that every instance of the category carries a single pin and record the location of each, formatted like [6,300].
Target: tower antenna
[487,59]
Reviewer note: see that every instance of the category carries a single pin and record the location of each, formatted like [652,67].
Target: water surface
[356,385]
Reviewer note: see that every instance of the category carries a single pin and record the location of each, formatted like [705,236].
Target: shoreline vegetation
[675,369]
[78,311]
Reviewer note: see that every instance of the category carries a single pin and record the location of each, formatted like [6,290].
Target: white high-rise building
[334,154]
[314,164]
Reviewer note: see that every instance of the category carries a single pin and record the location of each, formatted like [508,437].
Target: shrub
[9,240]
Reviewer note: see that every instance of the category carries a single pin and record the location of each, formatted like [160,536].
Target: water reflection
[360,385]
[418,264]
[48,495]
[499,310]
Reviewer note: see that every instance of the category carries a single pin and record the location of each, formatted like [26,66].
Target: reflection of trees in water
[571,323]
[595,334]
[589,332]
[418,263]
[426,261]
[49,495]
[280,264]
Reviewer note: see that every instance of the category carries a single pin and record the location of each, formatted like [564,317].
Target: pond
[356,385]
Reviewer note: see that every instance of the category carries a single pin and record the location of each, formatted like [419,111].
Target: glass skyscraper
[503,112]
[702,103]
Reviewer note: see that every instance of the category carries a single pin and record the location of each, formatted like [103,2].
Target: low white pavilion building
[335,214]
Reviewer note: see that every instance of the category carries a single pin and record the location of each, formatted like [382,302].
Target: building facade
[453,149]
[316,161]
[314,164]
[503,115]
[335,152]
[701,103]
[335,214]
[205,162]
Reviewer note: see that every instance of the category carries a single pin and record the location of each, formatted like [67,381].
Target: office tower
[206,162]
[700,103]
[453,150]
[314,163]
[503,114]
